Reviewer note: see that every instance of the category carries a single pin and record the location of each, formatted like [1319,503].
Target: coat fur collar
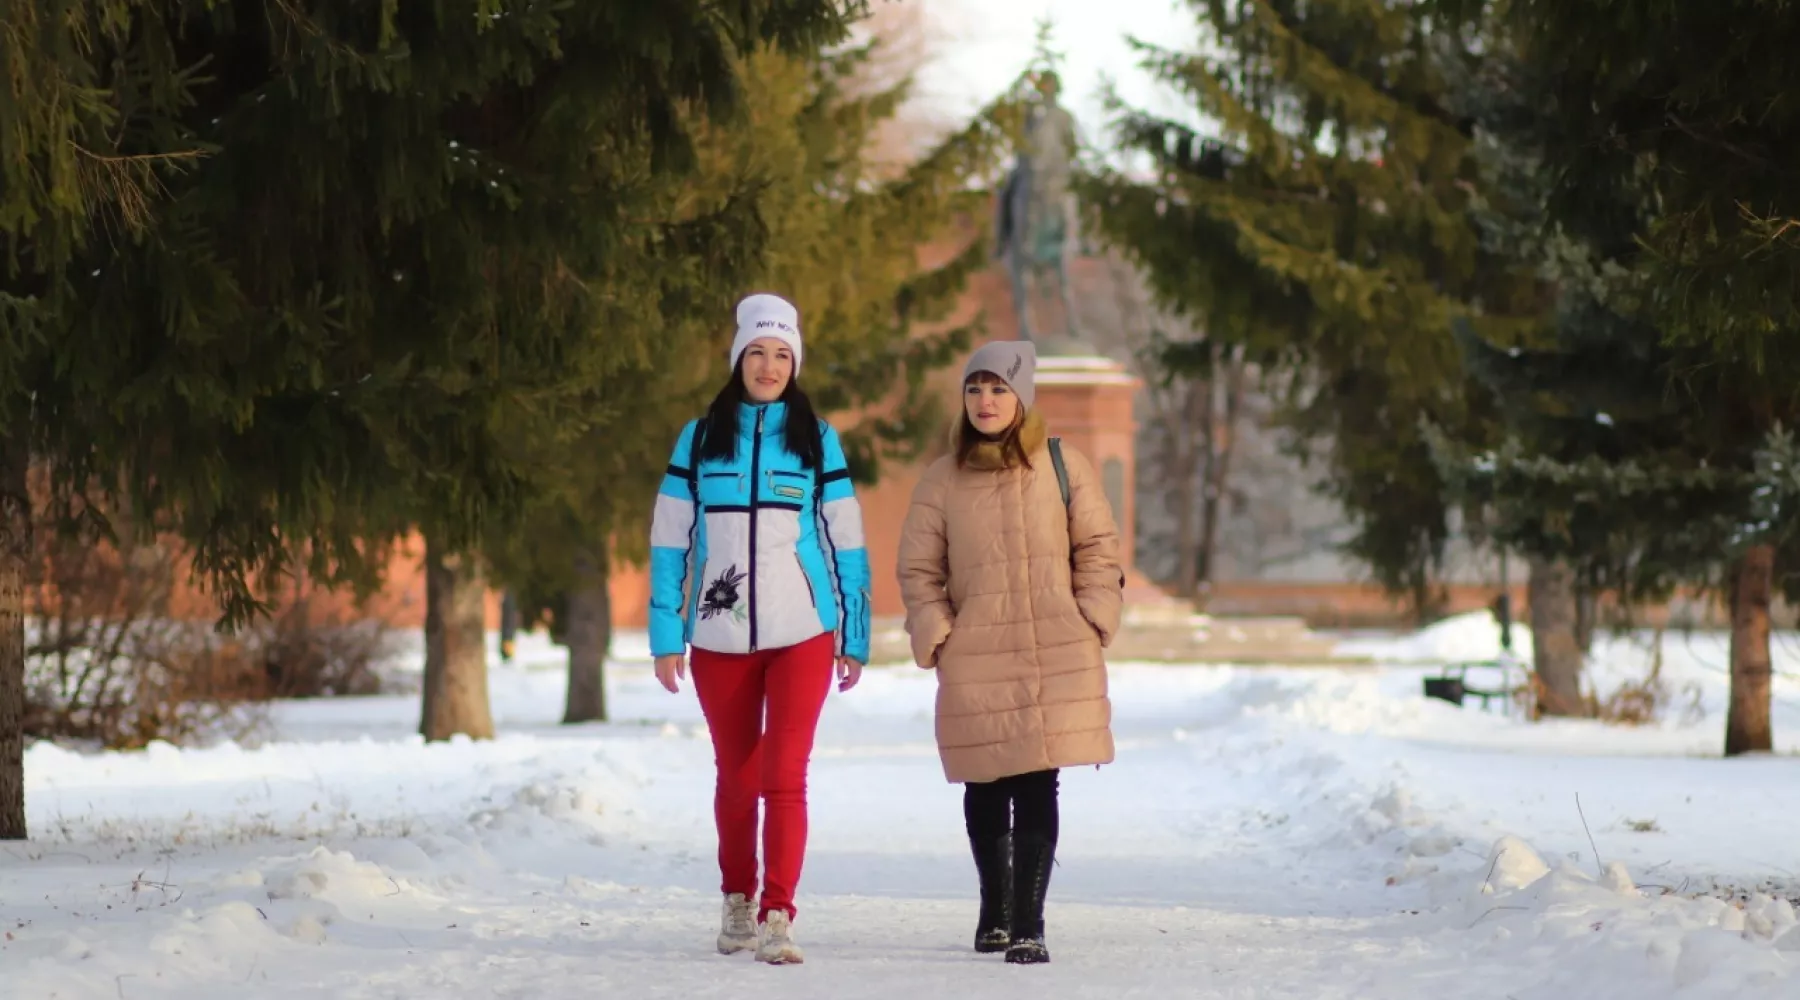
[988,455]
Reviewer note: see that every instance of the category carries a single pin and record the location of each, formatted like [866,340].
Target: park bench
[1452,682]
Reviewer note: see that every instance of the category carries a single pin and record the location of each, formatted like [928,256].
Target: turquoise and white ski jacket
[779,548]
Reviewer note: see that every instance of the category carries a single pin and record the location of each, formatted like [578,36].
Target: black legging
[1023,804]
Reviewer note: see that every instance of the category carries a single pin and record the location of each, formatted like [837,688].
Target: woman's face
[768,366]
[991,406]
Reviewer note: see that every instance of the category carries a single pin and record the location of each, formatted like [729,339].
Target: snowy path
[1243,846]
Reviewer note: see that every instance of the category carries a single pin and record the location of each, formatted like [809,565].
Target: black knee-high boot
[993,863]
[987,809]
[1035,833]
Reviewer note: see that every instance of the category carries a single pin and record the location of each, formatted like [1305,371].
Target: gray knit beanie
[1015,361]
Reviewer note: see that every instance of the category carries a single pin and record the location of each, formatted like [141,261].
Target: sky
[984,44]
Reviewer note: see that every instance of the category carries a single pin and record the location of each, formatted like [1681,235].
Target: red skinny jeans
[763,756]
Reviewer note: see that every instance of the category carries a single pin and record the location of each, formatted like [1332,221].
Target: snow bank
[1598,934]
[228,794]
[1331,831]
[1473,636]
[1483,825]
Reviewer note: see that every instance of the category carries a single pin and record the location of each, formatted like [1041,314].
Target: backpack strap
[694,459]
[819,476]
[1062,483]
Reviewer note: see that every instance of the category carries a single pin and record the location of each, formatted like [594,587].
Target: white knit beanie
[763,315]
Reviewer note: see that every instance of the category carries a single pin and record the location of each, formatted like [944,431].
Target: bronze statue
[1034,221]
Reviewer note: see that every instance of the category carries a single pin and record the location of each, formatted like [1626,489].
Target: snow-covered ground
[1269,833]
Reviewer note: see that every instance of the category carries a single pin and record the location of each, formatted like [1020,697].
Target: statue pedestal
[1087,401]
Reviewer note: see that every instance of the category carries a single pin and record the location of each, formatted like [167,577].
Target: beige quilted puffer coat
[1013,626]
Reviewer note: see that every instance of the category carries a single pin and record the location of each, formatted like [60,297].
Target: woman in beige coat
[1011,596]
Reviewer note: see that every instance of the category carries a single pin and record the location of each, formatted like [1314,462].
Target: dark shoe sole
[992,942]
[1028,952]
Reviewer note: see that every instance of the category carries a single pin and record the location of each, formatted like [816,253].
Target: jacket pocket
[934,657]
[720,489]
[943,646]
[789,487]
[810,596]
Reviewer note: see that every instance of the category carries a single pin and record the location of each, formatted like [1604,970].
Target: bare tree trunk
[1221,445]
[1185,497]
[509,625]
[1188,428]
[1747,728]
[1550,592]
[1168,465]
[1423,598]
[15,550]
[590,636]
[456,684]
[1587,616]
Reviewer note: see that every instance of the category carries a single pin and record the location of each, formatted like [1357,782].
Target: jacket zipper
[755,468]
[810,596]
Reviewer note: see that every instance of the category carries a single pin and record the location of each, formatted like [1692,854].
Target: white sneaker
[778,947]
[737,926]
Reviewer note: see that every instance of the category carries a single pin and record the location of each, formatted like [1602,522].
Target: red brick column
[1086,401]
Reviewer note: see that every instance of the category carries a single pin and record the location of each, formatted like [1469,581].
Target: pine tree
[674,290]
[1328,231]
[1624,456]
[73,167]
[824,223]
[1641,481]
[367,261]
[846,234]
[1694,105]
[1696,101]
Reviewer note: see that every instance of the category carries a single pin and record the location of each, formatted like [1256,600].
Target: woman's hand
[849,671]
[937,652]
[670,667]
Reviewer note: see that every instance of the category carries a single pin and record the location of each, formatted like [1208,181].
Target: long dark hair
[801,435]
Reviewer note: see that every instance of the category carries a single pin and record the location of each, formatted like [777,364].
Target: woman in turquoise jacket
[757,563]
